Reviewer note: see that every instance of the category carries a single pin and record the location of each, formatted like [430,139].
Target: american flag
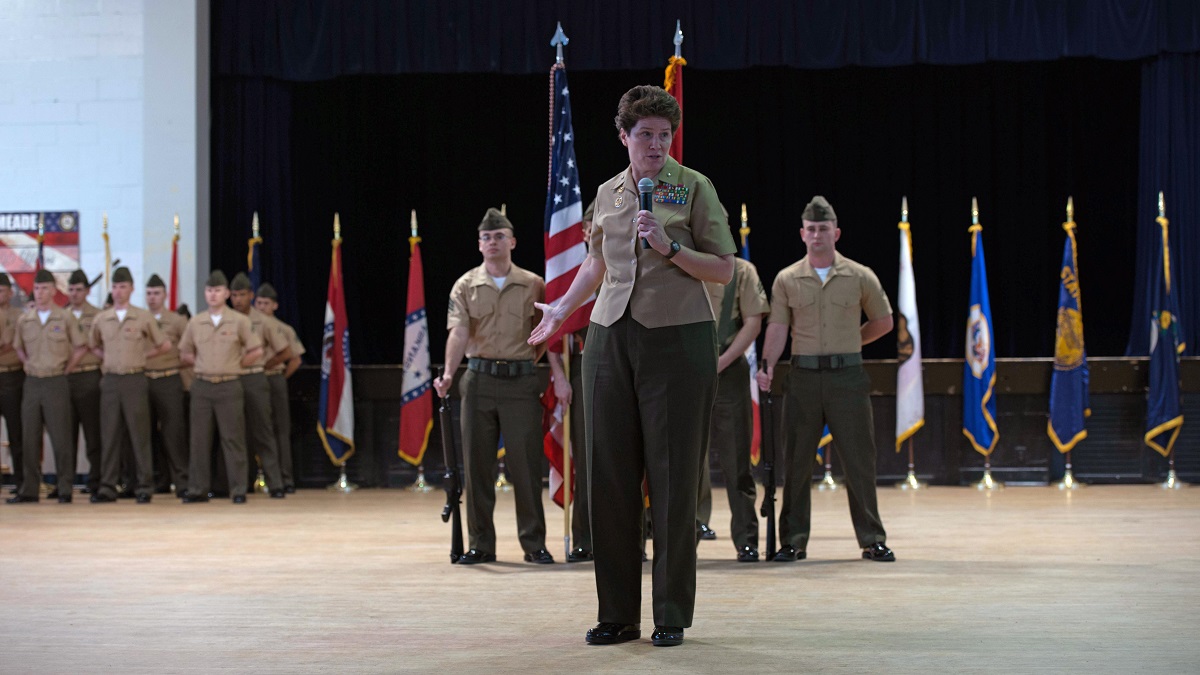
[565,250]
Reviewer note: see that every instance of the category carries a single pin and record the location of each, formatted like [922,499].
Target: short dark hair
[647,100]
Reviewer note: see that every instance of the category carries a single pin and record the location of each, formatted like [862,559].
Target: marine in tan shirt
[266,300]
[85,380]
[49,342]
[822,300]
[220,343]
[12,378]
[168,421]
[124,337]
[490,316]
[260,416]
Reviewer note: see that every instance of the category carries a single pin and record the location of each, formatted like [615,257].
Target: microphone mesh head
[645,185]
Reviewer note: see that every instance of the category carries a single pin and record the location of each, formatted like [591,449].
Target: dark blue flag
[979,367]
[1069,383]
[1164,419]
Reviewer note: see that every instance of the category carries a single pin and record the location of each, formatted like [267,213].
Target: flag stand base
[911,482]
[987,483]
[1069,483]
[829,483]
[420,486]
[260,483]
[502,484]
[1172,482]
[342,484]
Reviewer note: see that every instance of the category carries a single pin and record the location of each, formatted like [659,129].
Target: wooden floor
[1026,580]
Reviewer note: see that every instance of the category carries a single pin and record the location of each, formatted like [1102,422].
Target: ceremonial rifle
[451,481]
[768,462]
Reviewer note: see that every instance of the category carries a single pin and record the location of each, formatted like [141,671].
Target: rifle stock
[451,481]
[768,459]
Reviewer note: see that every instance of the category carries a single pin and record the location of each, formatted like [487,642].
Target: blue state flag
[1164,419]
[1069,383]
[979,367]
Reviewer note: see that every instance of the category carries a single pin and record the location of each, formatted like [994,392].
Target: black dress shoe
[53,494]
[879,553]
[193,499]
[64,499]
[789,554]
[579,554]
[101,498]
[667,636]
[606,633]
[278,494]
[290,489]
[540,557]
[143,498]
[475,556]
[707,533]
[21,499]
[747,554]
[239,499]
[644,558]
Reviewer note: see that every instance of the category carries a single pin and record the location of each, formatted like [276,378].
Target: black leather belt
[501,368]
[827,361]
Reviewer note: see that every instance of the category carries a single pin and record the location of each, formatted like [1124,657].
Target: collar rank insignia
[666,193]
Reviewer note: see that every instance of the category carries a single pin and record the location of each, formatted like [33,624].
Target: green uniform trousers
[44,405]
[12,387]
[649,395]
[85,413]
[729,438]
[221,404]
[839,397]
[125,420]
[281,407]
[491,406]
[260,428]
[168,431]
[581,528]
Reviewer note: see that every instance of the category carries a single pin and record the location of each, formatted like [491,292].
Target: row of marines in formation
[820,299]
[125,376]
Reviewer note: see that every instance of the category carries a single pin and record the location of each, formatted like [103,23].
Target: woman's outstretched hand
[549,325]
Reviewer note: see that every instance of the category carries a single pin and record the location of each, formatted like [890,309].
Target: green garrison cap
[78,277]
[217,278]
[155,281]
[5,281]
[44,277]
[818,210]
[494,220]
[122,275]
[240,282]
[267,291]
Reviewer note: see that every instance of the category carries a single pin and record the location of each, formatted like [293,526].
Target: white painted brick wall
[71,119]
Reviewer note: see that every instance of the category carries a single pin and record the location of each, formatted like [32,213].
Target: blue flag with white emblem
[1164,418]
[979,367]
[1069,383]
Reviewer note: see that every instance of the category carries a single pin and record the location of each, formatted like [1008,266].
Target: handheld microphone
[646,200]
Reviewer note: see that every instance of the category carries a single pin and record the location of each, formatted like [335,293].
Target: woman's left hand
[649,230]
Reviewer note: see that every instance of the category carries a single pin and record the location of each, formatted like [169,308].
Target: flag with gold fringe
[335,407]
[979,366]
[910,385]
[416,395]
[1069,381]
[1164,417]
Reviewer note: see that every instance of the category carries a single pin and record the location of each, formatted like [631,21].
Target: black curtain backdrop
[1019,136]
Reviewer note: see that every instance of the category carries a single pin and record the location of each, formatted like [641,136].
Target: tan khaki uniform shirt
[48,347]
[751,297]
[172,325]
[499,320]
[218,349]
[826,318]
[270,334]
[293,342]
[86,317]
[8,330]
[125,343]
[654,289]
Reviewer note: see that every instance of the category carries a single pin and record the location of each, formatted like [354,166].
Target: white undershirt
[158,317]
[216,319]
[823,272]
[121,314]
[500,281]
[77,312]
[43,316]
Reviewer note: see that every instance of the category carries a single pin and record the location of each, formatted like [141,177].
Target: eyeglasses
[499,237]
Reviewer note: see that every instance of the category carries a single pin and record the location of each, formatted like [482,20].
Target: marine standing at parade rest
[84,381]
[125,337]
[168,420]
[220,343]
[822,299]
[48,340]
[267,302]
[739,307]
[12,379]
[649,368]
[260,418]
[491,313]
